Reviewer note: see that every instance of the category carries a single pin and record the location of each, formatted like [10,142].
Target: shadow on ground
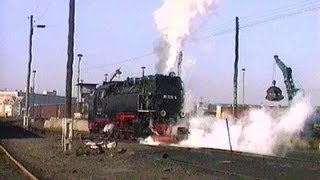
[12,129]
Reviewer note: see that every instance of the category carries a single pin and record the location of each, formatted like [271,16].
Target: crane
[288,81]
[118,72]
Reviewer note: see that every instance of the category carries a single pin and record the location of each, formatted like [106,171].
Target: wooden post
[229,135]
[27,108]
[235,77]
[67,123]
[67,133]
[70,58]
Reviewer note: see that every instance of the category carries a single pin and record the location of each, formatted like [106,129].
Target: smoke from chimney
[161,49]
[174,20]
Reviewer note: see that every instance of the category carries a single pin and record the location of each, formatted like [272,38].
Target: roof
[86,84]
[42,99]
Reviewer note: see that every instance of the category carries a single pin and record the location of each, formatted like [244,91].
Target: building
[7,102]
[12,103]
[37,100]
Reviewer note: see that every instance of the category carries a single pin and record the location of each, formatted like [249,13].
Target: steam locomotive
[138,106]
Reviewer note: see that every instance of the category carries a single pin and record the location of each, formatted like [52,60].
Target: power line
[270,12]
[257,22]
[218,33]
[282,9]
[226,31]
[266,15]
[280,17]
[119,62]
[229,30]
[45,11]
[37,6]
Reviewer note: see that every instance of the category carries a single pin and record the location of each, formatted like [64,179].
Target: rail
[18,165]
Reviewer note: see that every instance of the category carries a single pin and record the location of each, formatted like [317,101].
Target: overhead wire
[226,31]
[279,17]
[282,13]
[260,21]
[37,6]
[119,62]
[45,11]
[281,10]
[262,15]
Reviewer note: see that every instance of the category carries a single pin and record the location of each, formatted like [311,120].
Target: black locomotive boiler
[140,106]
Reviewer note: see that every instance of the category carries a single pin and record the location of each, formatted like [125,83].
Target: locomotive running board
[146,111]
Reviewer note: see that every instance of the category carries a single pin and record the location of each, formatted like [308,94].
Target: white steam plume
[174,20]
[258,132]
[161,49]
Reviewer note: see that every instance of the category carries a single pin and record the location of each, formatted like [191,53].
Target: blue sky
[109,32]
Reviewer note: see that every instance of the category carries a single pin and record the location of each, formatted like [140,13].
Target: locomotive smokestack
[143,68]
[179,58]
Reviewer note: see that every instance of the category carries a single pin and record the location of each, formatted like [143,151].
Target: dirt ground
[7,169]
[42,154]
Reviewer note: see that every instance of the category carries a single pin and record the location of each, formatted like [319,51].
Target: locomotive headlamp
[163,113]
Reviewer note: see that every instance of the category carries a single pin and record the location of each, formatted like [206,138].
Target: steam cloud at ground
[259,132]
[262,131]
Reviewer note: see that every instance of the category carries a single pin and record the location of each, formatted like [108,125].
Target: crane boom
[118,72]
[288,81]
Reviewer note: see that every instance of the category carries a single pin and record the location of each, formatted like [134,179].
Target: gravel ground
[42,154]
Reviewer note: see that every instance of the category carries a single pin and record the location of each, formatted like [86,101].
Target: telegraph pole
[67,126]
[33,91]
[26,113]
[78,81]
[70,58]
[235,77]
[27,103]
[243,92]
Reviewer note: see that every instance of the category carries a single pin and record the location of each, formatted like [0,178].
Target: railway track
[309,164]
[241,153]
[17,165]
[263,157]
[234,158]
[223,167]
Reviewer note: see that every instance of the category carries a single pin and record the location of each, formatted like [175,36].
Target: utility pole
[27,103]
[235,77]
[33,91]
[67,125]
[70,58]
[243,92]
[26,113]
[78,81]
